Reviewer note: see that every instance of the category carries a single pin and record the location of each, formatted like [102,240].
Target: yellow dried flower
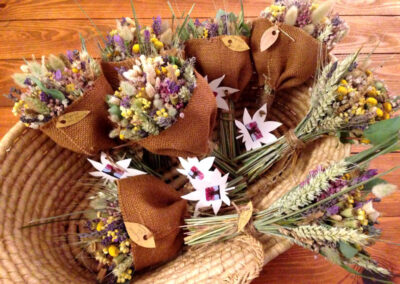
[100,226]
[136,48]
[113,251]
[372,92]
[342,90]
[379,112]
[386,116]
[387,106]
[158,44]
[372,101]
[70,88]
[121,136]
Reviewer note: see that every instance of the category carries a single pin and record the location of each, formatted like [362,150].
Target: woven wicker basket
[40,179]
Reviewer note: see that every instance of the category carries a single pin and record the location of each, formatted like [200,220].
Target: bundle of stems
[328,213]
[332,111]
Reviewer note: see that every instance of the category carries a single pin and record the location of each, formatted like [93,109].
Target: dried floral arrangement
[224,23]
[313,18]
[128,40]
[346,98]
[50,86]
[152,96]
[330,213]
[161,103]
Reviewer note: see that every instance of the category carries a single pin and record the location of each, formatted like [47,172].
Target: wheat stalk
[324,92]
[369,265]
[324,234]
[304,195]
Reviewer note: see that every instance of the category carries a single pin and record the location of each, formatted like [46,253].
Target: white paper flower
[220,92]
[210,192]
[113,171]
[256,131]
[195,169]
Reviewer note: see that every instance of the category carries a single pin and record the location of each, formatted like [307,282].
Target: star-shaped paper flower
[210,192]
[220,92]
[113,171]
[195,169]
[256,131]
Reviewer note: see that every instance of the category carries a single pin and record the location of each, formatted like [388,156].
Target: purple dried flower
[119,41]
[157,25]
[353,66]
[197,23]
[147,36]
[83,65]
[44,97]
[58,75]
[123,21]
[125,102]
[70,55]
[212,29]
[28,82]
[333,210]
[336,20]
[121,69]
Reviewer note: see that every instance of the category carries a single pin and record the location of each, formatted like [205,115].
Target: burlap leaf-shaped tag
[71,118]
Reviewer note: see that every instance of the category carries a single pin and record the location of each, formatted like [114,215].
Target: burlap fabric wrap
[91,134]
[110,70]
[150,202]
[188,136]
[215,59]
[286,63]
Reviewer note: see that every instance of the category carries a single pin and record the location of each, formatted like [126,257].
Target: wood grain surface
[42,27]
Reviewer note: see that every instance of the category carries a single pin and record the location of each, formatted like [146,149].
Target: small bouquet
[134,221]
[311,17]
[330,213]
[128,41]
[346,99]
[215,42]
[159,97]
[290,39]
[63,96]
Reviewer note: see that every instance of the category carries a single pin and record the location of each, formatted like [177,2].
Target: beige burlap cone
[110,70]
[89,135]
[214,59]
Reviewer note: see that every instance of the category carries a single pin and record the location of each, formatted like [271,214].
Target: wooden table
[52,26]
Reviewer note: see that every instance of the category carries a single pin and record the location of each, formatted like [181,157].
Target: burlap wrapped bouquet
[84,127]
[218,56]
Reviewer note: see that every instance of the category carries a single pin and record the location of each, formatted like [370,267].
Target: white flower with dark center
[195,169]
[112,171]
[255,131]
[210,192]
[220,92]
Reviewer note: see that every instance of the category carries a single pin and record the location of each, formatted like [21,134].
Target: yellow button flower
[342,90]
[100,226]
[379,112]
[371,101]
[113,251]
[387,106]
[136,48]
